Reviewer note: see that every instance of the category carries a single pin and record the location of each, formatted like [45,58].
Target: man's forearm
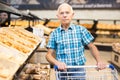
[51,59]
[95,52]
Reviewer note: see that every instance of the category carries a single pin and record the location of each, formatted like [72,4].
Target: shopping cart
[87,73]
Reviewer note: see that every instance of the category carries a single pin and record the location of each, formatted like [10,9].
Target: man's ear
[57,16]
[72,14]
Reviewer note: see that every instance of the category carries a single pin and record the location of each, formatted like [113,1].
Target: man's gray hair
[65,4]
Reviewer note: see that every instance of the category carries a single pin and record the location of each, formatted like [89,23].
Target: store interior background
[107,14]
[113,14]
[93,14]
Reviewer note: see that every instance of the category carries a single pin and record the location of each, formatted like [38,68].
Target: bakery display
[12,55]
[7,69]
[116,47]
[36,72]
[16,45]
[87,25]
[19,39]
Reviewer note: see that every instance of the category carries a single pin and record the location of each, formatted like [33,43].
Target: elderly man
[68,41]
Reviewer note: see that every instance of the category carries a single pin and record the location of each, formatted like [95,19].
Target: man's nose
[64,14]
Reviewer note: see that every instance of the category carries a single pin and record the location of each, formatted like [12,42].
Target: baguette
[9,42]
[18,39]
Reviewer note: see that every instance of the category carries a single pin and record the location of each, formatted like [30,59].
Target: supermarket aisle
[106,56]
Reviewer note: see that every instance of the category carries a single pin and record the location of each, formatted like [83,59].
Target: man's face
[65,15]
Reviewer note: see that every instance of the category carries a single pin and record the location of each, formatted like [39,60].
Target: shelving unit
[14,41]
[105,32]
[17,74]
[16,48]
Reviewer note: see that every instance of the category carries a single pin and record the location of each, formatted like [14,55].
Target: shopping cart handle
[91,66]
[111,66]
[55,67]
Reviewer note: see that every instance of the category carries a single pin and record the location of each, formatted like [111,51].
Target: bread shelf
[13,46]
[24,64]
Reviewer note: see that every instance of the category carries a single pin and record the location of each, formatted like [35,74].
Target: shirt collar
[70,27]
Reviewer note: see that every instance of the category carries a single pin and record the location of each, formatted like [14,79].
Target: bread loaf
[19,39]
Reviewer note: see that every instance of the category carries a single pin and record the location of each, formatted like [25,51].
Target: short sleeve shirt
[69,44]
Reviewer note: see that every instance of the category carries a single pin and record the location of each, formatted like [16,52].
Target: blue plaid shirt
[69,45]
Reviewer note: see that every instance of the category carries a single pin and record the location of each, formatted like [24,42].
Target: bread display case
[16,47]
[105,32]
[7,69]
[35,72]
[109,30]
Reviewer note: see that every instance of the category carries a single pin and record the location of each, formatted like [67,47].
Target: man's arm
[96,55]
[50,58]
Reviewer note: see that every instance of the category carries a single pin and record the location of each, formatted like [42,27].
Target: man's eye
[67,12]
[61,13]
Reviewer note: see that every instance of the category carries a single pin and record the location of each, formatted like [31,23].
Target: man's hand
[61,66]
[101,65]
